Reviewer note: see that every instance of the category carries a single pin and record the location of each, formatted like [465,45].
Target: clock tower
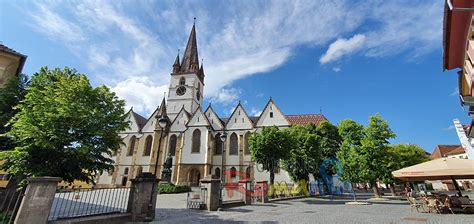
[187,80]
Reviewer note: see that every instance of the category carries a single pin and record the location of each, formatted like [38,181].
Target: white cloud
[455,92]
[255,112]
[342,47]
[449,128]
[336,69]
[226,96]
[119,40]
[140,93]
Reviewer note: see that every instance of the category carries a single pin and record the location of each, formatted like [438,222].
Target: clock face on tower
[181,91]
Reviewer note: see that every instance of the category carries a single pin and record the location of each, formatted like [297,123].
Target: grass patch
[172,189]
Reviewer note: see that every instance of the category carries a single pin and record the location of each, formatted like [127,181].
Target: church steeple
[176,65]
[190,61]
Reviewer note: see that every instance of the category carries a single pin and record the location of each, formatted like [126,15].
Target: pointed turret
[162,109]
[201,72]
[190,61]
[176,65]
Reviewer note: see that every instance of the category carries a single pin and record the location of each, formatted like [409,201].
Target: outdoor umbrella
[438,169]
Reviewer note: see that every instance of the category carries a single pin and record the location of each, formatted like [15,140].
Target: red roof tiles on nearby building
[306,119]
[445,150]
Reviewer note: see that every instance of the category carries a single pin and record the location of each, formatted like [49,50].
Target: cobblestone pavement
[171,209]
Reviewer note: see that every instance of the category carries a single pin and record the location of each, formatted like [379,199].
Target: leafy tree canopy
[352,134]
[10,95]
[268,147]
[305,156]
[329,139]
[65,127]
[400,156]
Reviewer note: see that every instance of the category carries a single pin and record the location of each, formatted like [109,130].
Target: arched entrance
[193,177]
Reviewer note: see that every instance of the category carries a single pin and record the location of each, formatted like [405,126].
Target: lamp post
[163,122]
[223,137]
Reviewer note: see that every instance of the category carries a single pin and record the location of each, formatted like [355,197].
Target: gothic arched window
[173,142]
[148,144]
[246,143]
[182,81]
[234,145]
[125,171]
[196,145]
[217,172]
[218,145]
[131,146]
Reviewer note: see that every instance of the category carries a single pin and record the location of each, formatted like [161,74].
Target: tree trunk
[375,189]
[272,180]
[392,189]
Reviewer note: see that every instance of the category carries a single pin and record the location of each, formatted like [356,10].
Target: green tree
[305,155]
[65,127]
[351,134]
[10,95]
[268,147]
[400,156]
[373,151]
[329,139]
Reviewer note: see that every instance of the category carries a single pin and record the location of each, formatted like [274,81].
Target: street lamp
[163,122]
[223,137]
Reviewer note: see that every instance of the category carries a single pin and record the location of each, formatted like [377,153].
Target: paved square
[171,209]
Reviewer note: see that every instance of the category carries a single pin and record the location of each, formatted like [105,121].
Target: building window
[182,81]
[131,146]
[124,181]
[217,172]
[233,172]
[125,171]
[173,141]
[196,141]
[234,145]
[148,144]
[246,143]
[218,145]
[271,114]
[139,171]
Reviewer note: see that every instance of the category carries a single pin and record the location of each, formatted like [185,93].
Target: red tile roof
[306,119]
[445,150]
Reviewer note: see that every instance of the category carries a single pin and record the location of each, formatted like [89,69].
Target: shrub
[168,188]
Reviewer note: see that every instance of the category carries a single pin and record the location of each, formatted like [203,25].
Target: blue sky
[347,59]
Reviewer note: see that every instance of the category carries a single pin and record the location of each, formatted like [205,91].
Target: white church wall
[271,116]
[195,158]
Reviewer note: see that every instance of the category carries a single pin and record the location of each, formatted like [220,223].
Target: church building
[192,136]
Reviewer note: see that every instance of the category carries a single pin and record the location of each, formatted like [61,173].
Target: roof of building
[441,151]
[305,119]
[23,57]
[141,121]
[455,26]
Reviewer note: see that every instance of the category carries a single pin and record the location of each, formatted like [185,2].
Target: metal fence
[196,198]
[71,203]
[10,204]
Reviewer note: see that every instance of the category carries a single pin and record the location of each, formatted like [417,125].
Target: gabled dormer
[198,119]
[151,123]
[239,119]
[213,118]
[180,121]
[271,115]
[136,122]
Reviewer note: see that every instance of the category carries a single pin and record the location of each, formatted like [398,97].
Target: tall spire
[190,61]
